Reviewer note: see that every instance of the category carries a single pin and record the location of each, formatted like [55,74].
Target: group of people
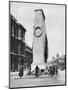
[21,71]
[52,70]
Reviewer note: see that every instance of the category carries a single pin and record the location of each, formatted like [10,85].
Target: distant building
[59,61]
[17,45]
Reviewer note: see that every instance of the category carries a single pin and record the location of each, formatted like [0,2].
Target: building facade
[29,57]
[17,45]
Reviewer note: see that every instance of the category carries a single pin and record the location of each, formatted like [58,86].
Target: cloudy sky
[55,24]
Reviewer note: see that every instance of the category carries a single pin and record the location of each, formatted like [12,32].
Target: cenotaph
[40,45]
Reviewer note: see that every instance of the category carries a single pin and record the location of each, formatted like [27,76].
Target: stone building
[17,45]
[29,57]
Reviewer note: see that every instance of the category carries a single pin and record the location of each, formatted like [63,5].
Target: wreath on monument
[37,32]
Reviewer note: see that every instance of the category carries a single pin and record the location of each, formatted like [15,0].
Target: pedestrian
[52,70]
[37,71]
[49,70]
[21,71]
[56,69]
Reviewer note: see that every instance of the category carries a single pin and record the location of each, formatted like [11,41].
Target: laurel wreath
[36,30]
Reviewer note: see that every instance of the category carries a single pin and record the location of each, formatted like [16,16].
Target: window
[19,34]
[12,31]
[19,48]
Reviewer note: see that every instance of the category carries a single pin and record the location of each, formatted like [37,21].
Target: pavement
[42,80]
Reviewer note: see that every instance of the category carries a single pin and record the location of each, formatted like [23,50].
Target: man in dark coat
[21,71]
[36,71]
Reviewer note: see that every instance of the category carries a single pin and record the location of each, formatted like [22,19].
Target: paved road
[41,81]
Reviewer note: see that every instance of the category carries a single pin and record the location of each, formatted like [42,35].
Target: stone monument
[40,43]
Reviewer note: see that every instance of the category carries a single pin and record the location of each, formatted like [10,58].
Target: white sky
[55,24]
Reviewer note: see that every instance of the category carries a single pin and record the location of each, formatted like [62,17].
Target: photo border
[65,43]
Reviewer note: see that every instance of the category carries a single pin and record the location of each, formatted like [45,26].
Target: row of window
[17,47]
[17,32]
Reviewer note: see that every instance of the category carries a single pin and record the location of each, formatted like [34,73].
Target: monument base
[41,66]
